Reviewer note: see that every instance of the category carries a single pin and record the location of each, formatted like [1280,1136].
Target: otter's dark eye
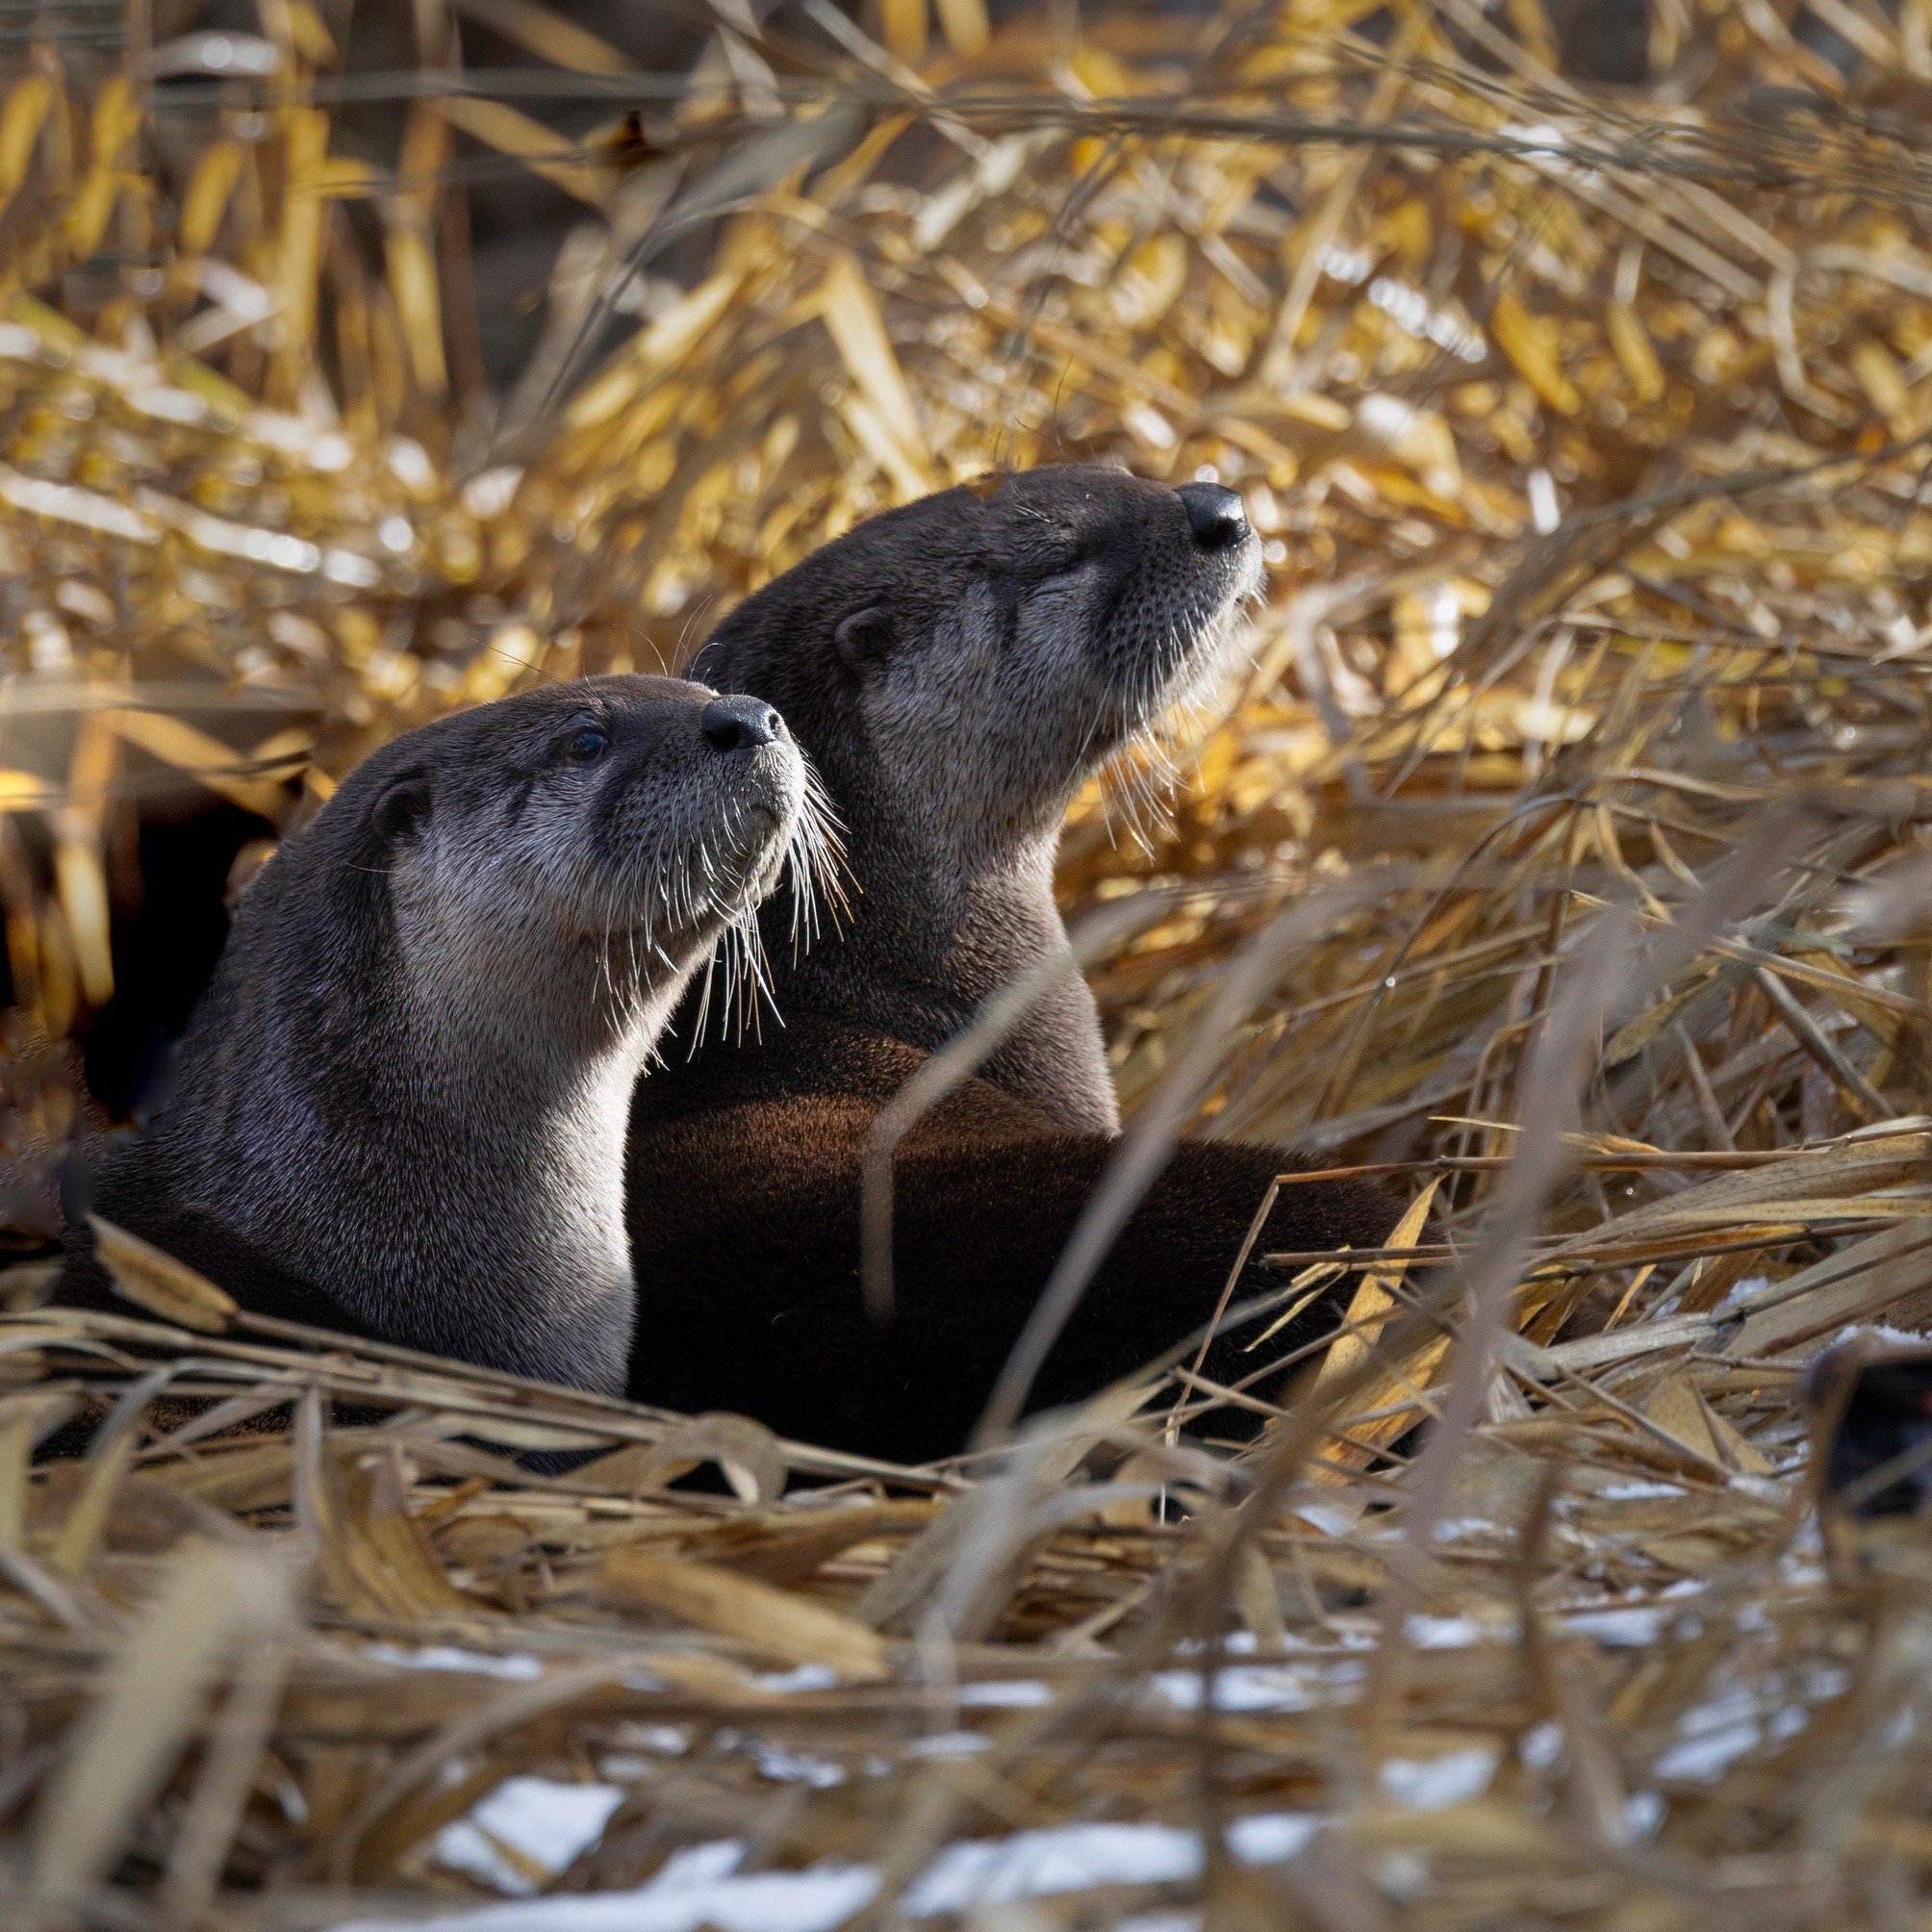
[586,746]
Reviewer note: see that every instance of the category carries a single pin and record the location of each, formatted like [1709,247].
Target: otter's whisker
[704,1004]
[815,864]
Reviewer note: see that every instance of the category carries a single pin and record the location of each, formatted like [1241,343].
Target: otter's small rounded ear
[863,639]
[402,808]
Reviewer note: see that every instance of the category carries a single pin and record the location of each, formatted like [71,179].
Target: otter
[400,1109]
[956,670]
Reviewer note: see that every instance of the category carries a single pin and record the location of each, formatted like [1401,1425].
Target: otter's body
[749,1295]
[401,1109]
[956,670]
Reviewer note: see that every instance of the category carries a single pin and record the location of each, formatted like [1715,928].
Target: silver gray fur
[956,670]
[410,1082]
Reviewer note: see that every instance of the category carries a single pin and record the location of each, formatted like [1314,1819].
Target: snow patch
[1005,1693]
[1258,1687]
[806,1677]
[1430,1784]
[516,1664]
[546,1821]
[1443,1632]
[1627,1628]
[703,1886]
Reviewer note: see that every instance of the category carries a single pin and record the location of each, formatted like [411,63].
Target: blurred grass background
[1575,364]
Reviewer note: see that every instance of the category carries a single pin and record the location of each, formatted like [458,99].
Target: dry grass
[1591,440]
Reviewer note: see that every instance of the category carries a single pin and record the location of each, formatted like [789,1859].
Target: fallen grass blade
[117,1758]
[776,1622]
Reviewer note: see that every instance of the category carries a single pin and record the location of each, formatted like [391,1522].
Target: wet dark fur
[956,670]
[402,1107]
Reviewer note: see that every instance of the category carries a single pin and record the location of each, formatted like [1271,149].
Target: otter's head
[575,851]
[974,657]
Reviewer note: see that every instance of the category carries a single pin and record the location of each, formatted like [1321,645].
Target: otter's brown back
[742,1204]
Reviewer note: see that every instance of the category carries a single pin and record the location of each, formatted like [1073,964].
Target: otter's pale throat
[530,1179]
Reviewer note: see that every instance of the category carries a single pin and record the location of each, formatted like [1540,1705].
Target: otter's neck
[452,1177]
[543,1283]
[929,938]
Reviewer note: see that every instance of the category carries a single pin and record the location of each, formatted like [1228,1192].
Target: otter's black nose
[739,724]
[1214,515]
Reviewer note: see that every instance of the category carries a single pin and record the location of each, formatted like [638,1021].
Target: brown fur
[749,1291]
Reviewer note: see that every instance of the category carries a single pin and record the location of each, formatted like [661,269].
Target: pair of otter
[402,1108]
